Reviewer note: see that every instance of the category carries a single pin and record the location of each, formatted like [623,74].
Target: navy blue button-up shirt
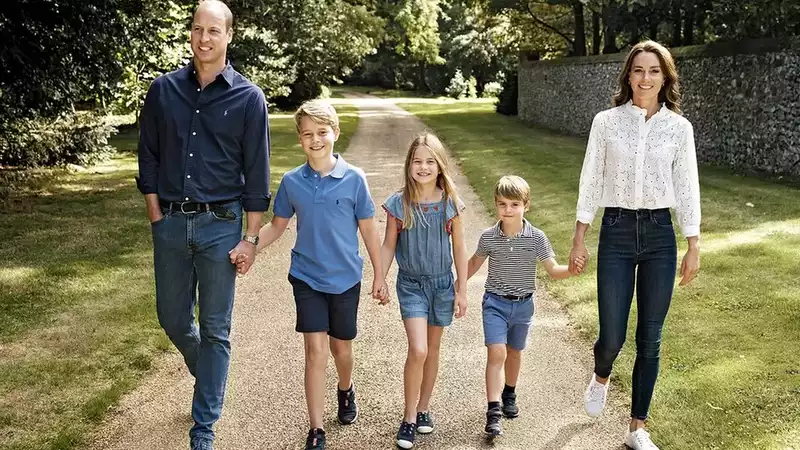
[207,144]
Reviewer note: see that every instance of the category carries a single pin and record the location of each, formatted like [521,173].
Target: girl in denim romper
[422,220]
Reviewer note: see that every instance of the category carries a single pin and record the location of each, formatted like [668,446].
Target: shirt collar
[227,73]
[635,110]
[339,169]
[527,229]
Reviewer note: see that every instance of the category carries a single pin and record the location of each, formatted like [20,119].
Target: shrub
[460,87]
[79,138]
[492,89]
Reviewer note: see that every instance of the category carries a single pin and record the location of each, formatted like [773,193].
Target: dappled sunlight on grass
[731,338]
[13,276]
[722,241]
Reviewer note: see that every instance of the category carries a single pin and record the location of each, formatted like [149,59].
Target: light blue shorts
[507,321]
[432,297]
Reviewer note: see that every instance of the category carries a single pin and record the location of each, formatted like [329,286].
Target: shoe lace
[424,417]
[597,391]
[492,418]
[407,428]
[346,397]
[313,438]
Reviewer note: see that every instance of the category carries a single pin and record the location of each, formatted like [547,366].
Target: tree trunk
[595,33]
[688,24]
[609,28]
[579,44]
[423,80]
[676,23]
[653,20]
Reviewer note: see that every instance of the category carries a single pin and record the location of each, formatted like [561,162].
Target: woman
[640,161]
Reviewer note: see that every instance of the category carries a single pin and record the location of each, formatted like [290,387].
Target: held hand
[578,258]
[379,291]
[243,256]
[461,305]
[690,266]
[577,267]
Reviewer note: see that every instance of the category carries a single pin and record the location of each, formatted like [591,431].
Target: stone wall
[743,99]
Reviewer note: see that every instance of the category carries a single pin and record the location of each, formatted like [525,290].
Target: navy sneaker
[348,410]
[510,408]
[315,439]
[424,422]
[493,428]
[406,435]
[201,444]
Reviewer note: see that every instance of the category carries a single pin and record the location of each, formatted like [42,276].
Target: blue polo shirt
[328,209]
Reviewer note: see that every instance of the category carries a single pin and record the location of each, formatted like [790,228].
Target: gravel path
[265,408]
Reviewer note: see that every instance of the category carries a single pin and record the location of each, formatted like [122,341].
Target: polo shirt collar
[527,229]
[339,169]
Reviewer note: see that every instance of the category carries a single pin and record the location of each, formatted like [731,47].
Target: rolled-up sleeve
[255,146]
[148,149]
[686,182]
[592,181]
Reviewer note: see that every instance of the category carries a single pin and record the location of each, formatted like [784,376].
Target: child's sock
[493,405]
[509,389]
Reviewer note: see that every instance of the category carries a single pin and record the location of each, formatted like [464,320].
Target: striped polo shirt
[513,259]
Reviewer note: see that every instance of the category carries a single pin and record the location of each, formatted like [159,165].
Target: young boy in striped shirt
[513,247]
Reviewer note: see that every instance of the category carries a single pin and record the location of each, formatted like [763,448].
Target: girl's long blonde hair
[444,180]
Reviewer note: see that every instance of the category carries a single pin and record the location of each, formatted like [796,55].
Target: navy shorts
[318,311]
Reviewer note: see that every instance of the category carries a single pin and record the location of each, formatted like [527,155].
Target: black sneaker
[406,435]
[493,423]
[348,411]
[510,408]
[315,439]
[201,444]
[424,422]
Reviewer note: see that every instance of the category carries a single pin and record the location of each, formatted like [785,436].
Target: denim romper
[425,285]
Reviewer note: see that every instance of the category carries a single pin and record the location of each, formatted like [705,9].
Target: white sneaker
[595,397]
[639,440]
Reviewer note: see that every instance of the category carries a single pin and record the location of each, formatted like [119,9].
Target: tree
[56,54]
[58,57]
[562,18]
[324,39]
[477,43]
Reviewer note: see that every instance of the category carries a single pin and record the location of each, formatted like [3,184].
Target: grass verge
[77,319]
[729,375]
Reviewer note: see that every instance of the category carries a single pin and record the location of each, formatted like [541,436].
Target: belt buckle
[184,211]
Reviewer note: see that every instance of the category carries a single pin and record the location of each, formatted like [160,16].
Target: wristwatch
[251,239]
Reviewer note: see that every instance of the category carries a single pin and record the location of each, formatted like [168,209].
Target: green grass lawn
[730,376]
[77,320]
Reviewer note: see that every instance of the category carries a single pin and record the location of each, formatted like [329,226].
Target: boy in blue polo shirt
[332,202]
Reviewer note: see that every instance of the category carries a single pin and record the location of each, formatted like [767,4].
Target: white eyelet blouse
[634,163]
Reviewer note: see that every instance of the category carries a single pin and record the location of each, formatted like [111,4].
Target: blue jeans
[192,266]
[634,244]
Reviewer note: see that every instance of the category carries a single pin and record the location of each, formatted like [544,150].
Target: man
[203,158]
